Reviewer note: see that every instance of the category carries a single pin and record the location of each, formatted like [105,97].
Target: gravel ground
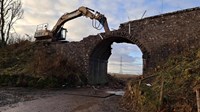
[14,95]
[64,100]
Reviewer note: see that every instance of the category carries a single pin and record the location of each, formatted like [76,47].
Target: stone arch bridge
[158,37]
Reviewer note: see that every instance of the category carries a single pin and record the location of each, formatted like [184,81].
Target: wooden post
[198,99]
[161,93]
[197,90]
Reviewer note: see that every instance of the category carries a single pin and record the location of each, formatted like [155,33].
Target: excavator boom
[55,33]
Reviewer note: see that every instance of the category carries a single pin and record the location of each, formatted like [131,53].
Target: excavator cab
[41,32]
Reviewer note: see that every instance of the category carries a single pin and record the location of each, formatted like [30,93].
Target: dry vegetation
[35,64]
[179,76]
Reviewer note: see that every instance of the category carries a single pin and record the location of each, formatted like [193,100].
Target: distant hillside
[125,77]
[180,74]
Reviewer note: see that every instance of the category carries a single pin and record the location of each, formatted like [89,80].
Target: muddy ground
[58,100]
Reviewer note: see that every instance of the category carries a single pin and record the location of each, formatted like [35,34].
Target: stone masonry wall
[167,34]
[158,37]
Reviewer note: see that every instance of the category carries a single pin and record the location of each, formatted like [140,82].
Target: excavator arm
[82,11]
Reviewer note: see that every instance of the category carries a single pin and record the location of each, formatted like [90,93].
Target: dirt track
[68,100]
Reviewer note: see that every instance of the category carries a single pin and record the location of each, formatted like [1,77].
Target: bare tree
[10,12]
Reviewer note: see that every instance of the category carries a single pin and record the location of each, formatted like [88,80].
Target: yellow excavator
[59,33]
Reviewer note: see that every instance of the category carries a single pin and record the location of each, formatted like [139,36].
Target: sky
[117,11]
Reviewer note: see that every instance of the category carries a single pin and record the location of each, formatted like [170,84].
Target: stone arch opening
[98,60]
[125,60]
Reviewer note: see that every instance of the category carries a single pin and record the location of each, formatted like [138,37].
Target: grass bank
[168,90]
[36,65]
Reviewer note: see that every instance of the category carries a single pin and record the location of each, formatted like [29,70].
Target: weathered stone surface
[158,37]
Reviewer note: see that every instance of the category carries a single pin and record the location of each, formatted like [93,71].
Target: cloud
[118,11]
